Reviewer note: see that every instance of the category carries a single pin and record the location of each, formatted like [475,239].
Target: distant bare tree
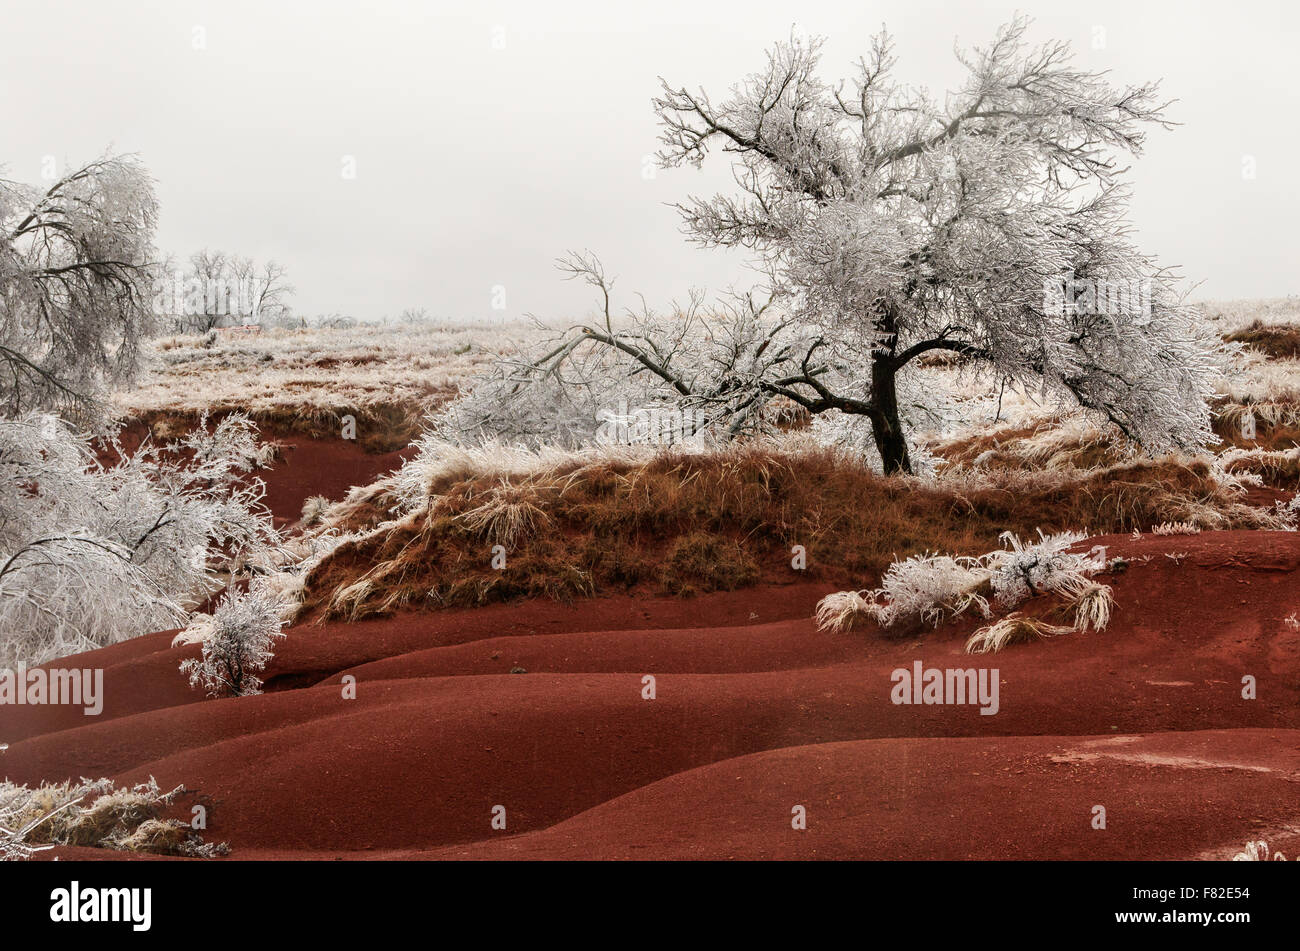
[269,290]
[414,315]
[224,288]
[209,290]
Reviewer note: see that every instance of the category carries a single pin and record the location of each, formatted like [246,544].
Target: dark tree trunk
[891,443]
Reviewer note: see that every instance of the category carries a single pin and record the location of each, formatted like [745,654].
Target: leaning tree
[888,226]
[76,285]
[92,552]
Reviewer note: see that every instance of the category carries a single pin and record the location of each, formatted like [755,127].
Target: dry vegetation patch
[1279,341]
[681,523]
[305,380]
[96,814]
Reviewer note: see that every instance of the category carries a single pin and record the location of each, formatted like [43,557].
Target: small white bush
[237,642]
[926,587]
[934,588]
[1025,569]
[1258,852]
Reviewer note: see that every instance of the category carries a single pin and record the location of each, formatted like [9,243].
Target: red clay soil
[328,467]
[755,713]
[306,467]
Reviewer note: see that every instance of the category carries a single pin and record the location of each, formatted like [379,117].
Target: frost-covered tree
[91,553]
[237,641]
[94,552]
[76,286]
[216,288]
[890,225]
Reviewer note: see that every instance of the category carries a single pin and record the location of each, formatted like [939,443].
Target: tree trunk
[891,443]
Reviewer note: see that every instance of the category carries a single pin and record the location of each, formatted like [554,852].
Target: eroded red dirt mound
[1165,796]
[325,467]
[753,712]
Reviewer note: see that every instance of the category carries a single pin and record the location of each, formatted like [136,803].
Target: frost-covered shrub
[934,588]
[94,813]
[93,553]
[1258,851]
[1026,569]
[925,587]
[237,641]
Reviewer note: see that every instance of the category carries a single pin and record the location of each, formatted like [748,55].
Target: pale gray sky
[476,166]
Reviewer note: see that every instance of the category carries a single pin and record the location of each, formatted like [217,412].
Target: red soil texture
[325,467]
[757,719]
[306,467]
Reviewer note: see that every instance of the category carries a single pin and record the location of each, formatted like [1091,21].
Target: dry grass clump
[508,513]
[1278,341]
[1092,604]
[1278,468]
[1175,528]
[439,465]
[676,522]
[363,509]
[1012,629]
[1257,416]
[313,510]
[96,814]
[1258,851]
[701,562]
[1056,445]
[1045,444]
[1276,422]
[844,610]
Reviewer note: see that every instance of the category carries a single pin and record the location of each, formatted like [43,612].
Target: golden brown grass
[1049,445]
[95,814]
[1012,629]
[687,523]
[1041,445]
[1278,341]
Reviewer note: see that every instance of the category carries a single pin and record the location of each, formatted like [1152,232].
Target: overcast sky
[488,138]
